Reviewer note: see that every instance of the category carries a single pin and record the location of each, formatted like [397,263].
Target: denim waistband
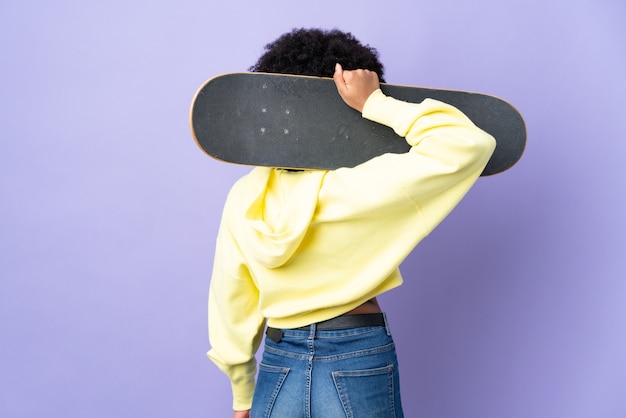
[338,323]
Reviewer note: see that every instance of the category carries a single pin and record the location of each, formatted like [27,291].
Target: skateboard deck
[301,122]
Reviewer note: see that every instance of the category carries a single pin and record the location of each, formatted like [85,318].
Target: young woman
[307,252]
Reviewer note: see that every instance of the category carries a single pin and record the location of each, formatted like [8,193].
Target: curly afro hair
[315,52]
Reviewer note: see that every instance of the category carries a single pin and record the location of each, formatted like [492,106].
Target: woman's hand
[242,414]
[355,86]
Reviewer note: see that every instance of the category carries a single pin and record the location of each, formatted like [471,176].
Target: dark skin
[354,87]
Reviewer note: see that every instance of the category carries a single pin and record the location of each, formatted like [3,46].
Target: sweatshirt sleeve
[234,334]
[448,152]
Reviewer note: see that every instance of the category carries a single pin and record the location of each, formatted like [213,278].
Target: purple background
[514,307]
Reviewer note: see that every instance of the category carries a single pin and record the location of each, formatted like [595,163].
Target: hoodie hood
[278,216]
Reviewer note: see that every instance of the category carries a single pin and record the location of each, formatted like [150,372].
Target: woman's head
[315,52]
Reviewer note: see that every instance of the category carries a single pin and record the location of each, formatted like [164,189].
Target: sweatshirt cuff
[242,394]
[391,112]
[372,104]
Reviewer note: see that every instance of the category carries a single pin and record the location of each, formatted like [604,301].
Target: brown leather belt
[340,322]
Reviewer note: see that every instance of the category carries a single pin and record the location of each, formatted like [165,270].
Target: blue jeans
[349,373]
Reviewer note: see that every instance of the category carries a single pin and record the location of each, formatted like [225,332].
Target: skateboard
[301,122]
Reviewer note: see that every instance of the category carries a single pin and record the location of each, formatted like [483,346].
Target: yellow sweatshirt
[301,247]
